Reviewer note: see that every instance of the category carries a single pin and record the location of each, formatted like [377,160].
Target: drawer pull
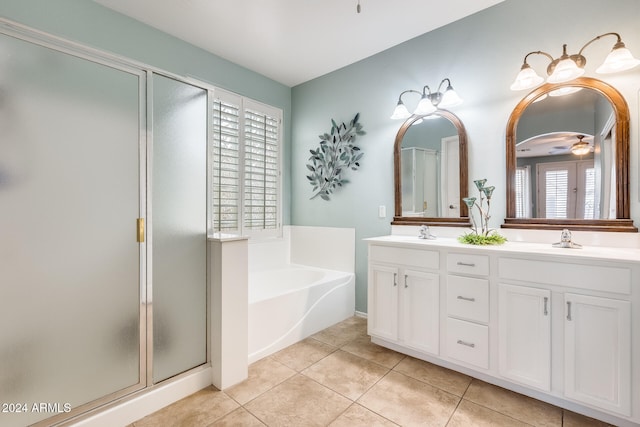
[406,281]
[466,264]
[568,310]
[546,306]
[468,344]
[395,279]
[466,298]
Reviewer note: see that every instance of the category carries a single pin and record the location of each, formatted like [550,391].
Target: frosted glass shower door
[70,308]
[179,227]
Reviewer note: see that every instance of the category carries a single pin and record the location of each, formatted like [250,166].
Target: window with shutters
[556,186]
[566,190]
[523,192]
[244,155]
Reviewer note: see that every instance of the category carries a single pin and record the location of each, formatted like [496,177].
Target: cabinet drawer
[468,298]
[584,276]
[468,264]
[468,342]
[410,257]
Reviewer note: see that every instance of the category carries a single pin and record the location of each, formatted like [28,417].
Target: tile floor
[339,378]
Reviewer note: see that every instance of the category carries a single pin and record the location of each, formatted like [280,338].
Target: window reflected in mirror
[567,159]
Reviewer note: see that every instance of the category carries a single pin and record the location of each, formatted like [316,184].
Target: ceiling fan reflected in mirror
[581,147]
[555,143]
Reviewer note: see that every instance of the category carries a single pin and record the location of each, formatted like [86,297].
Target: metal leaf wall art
[336,154]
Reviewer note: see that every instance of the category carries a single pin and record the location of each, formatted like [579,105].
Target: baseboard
[148,402]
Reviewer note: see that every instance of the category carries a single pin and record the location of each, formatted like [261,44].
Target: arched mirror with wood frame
[553,185]
[430,171]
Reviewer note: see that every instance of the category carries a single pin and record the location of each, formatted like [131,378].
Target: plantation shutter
[590,194]
[523,192]
[261,168]
[557,193]
[225,152]
[244,157]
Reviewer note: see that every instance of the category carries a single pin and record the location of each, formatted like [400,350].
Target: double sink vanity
[555,324]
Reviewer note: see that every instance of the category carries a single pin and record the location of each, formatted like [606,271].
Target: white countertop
[589,252]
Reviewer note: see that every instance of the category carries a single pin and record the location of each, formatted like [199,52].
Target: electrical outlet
[382,211]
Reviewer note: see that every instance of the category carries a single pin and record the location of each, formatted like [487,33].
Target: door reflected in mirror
[565,158]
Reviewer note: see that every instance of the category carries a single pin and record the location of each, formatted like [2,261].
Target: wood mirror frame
[463,219]
[622,222]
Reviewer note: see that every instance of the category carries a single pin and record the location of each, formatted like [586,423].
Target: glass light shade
[527,78]
[580,148]
[425,106]
[619,59]
[565,91]
[401,112]
[565,71]
[450,99]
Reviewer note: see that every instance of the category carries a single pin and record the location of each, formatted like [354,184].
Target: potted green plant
[481,234]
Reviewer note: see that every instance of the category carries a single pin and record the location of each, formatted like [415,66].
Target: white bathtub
[291,303]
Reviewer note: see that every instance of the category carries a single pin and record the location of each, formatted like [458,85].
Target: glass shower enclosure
[86,315]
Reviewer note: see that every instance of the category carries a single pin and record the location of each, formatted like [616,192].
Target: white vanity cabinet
[593,324]
[560,325]
[597,352]
[404,296]
[524,335]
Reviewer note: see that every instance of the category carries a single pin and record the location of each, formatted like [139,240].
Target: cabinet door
[597,366]
[383,302]
[524,335]
[420,311]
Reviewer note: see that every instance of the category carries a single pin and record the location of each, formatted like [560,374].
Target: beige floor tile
[299,401]
[263,375]
[356,321]
[520,407]
[343,332]
[409,402]
[199,409]
[443,378]
[469,414]
[239,417]
[346,373]
[363,347]
[301,355]
[571,419]
[357,415]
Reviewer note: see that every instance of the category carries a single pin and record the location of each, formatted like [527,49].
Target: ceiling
[293,41]
[551,144]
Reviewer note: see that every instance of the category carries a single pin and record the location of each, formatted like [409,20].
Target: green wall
[481,54]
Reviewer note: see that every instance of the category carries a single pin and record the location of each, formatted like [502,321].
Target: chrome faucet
[425,233]
[565,241]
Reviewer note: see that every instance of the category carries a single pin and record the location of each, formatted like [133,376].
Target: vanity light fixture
[568,67]
[429,101]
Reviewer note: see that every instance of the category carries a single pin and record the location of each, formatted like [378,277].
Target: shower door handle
[140,230]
